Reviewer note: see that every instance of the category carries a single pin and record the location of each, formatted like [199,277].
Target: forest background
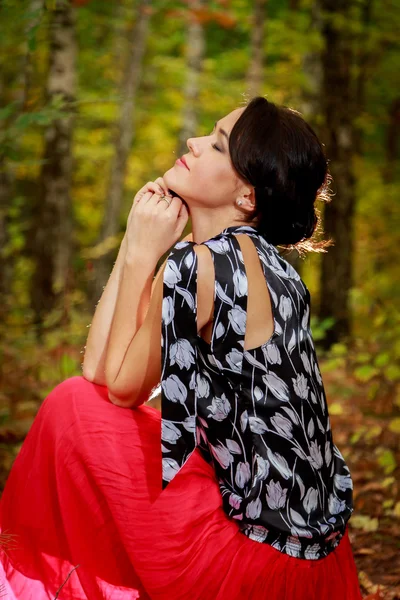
[99,97]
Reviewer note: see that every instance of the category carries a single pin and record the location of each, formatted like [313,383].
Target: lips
[182,159]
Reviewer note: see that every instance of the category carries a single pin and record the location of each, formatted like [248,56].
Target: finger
[156,198]
[174,206]
[160,181]
[151,186]
[144,198]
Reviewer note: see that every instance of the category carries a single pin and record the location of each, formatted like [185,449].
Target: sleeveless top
[259,416]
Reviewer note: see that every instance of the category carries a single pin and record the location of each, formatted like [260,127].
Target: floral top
[259,416]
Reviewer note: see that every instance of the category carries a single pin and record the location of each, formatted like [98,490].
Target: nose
[193,146]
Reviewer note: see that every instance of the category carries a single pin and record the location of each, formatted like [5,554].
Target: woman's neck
[207,226]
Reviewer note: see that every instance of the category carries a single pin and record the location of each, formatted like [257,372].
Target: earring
[239,203]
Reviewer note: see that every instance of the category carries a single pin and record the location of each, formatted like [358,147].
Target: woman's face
[209,179]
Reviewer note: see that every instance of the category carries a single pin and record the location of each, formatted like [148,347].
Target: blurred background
[99,97]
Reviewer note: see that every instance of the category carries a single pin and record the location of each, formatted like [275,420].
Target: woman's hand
[154,225]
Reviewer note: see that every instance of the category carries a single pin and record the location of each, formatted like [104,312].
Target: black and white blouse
[259,416]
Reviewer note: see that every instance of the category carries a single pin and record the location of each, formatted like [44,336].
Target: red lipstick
[182,162]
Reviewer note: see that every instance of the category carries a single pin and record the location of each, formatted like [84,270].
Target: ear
[246,198]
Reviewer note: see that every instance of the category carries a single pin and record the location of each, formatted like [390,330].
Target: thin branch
[68,576]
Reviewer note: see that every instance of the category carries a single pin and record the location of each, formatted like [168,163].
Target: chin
[173,186]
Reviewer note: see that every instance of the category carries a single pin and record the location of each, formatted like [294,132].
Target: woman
[245,495]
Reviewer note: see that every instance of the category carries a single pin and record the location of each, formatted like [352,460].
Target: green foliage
[371,359]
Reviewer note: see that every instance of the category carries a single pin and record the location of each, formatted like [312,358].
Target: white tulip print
[335,505]
[297,518]
[276,495]
[277,386]
[237,319]
[170,468]
[233,446]
[282,425]
[300,385]
[219,246]
[280,463]
[306,362]
[240,283]
[291,414]
[203,386]
[285,307]
[234,360]
[257,425]
[244,420]
[305,318]
[315,457]
[262,468]
[219,408]
[182,353]
[174,389]
[272,354]
[169,432]
[301,485]
[220,330]
[172,275]
[189,259]
[310,501]
[168,311]
[342,482]
[190,423]
[235,501]
[253,509]
[258,393]
[292,342]
[222,455]
[317,374]
[243,474]
[187,296]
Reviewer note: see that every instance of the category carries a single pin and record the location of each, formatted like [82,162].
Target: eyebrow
[222,131]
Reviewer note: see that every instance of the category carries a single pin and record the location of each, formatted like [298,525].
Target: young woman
[236,489]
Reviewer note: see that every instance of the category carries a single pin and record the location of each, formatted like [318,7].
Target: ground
[362,431]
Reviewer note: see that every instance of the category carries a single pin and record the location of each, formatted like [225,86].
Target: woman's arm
[93,367]
[99,333]
[140,369]
[98,338]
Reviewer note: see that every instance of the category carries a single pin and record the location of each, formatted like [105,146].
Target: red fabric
[86,489]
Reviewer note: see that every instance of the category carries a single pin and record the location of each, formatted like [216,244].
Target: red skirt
[85,492]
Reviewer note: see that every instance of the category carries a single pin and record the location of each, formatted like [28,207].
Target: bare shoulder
[205,285]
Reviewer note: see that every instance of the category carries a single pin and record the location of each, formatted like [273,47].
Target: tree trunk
[35,12]
[195,48]
[52,246]
[362,71]
[255,73]
[6,266]
[136,39]
[310,102]
[392,140]
[337,108]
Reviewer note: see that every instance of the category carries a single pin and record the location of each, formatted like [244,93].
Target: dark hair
[278,153]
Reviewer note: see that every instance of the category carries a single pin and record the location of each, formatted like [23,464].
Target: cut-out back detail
[265,312]
[260,416]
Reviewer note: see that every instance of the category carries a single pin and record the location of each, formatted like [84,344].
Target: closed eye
[216,147]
